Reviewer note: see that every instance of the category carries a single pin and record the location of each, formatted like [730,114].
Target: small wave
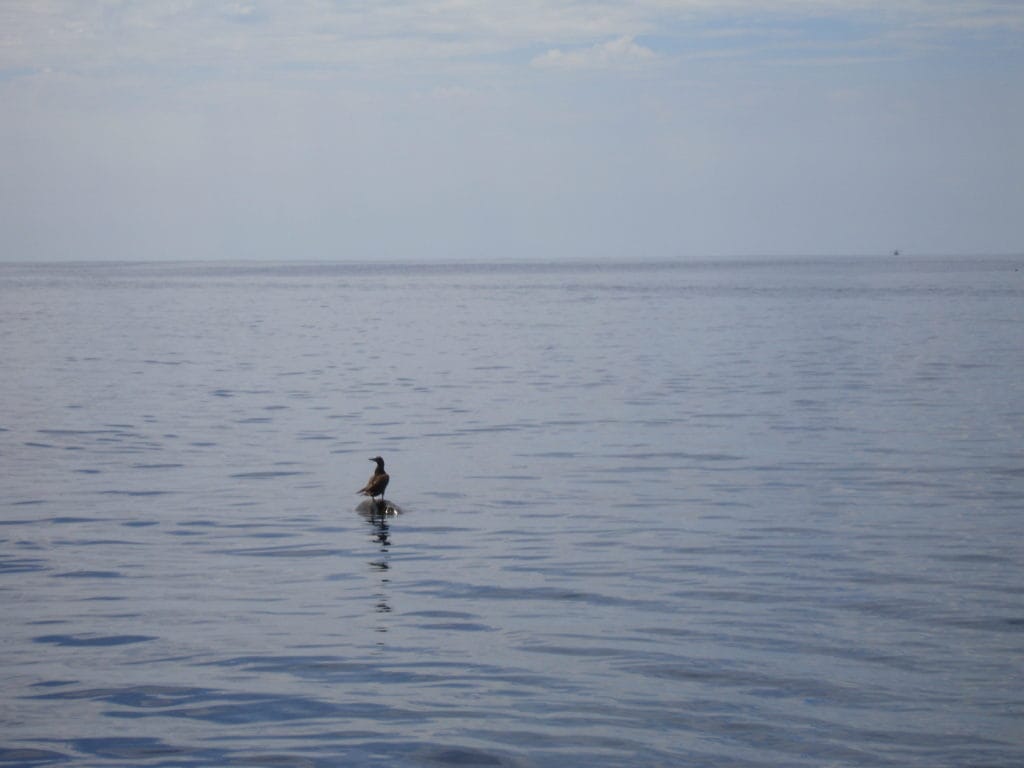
[83,641]
[269,475]
[26,756]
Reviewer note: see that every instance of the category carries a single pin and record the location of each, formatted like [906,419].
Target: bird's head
[379,460]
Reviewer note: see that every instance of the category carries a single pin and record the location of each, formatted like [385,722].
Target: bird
[378,481]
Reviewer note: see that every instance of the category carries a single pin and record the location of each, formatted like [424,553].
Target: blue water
[738,514]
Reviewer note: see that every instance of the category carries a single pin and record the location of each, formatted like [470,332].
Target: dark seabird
[377,482]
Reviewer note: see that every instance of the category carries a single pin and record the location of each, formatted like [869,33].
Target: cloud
[256,38]
[317,127]
[622,52]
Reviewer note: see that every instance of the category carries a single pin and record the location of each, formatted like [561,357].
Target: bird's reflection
[381,532]
[377,514]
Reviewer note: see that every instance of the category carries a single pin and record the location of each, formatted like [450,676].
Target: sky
[538,129]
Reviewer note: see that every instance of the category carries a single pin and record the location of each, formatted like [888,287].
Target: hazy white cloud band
[470,129]
[66,35]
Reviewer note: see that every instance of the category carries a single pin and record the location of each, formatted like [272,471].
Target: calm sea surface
[736,514]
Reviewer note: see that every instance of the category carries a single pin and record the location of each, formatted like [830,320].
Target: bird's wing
[376,484]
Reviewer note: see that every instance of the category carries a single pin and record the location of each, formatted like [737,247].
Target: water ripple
[84,641]
[742,515]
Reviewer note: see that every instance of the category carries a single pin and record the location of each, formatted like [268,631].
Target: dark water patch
[157,466]
[139,697]
[1013,472]
[140,523]
[10,565]
[93,542]
[462,756]
[26,503]
[716,674]
[88,575]
[978,558]
[27,756]
[115,492]
[70,520]
[528,478]
[139,750]
[338,670]
[304,666]
[1000,624]
[606,652]
[267,475]
[456,626]
[442,614]
[514,503]
[462,590]
[726,595]
[88,641]
[493,428]
[678,456]
[294,551]
[76,432]
[250,708]
[618,475]
[891,577]
[53,683]
[322,759]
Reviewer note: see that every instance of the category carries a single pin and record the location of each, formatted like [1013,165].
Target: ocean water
[731,514]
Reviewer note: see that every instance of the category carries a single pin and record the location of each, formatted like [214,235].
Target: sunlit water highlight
[756,513]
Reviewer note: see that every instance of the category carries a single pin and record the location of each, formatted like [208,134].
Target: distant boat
[896,252]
